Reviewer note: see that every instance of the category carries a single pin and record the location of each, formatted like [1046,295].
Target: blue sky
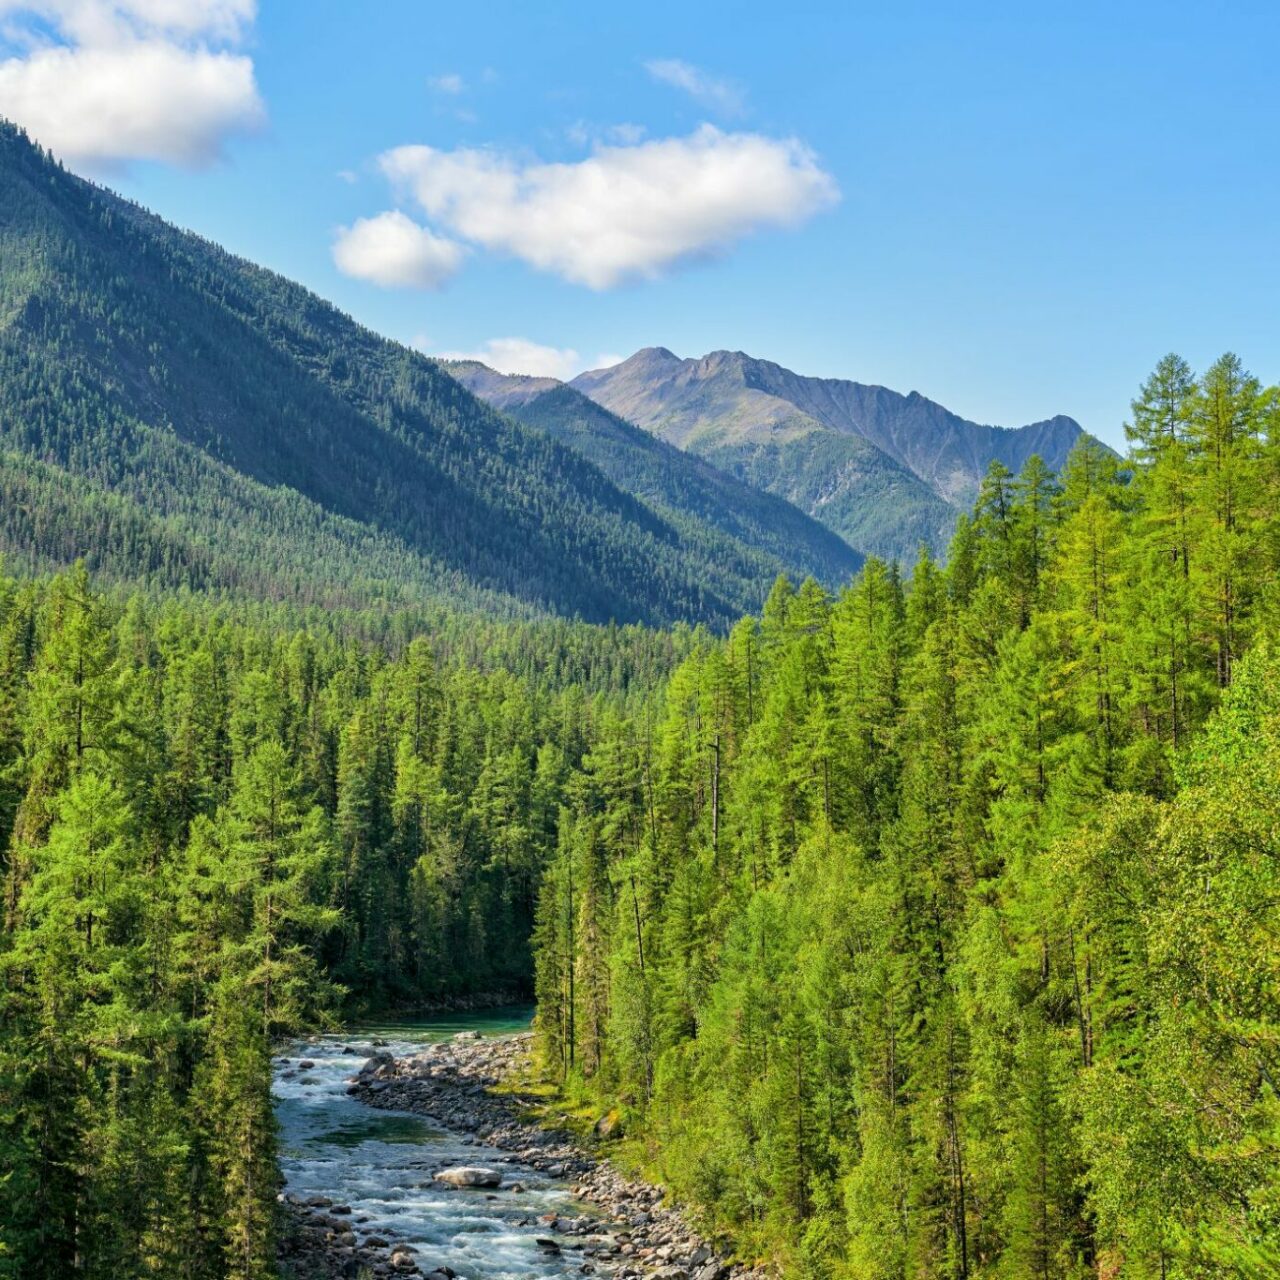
[1010,208]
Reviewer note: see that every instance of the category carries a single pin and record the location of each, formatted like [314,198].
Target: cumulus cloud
[106,22]
[521,355]
[718,94]
[394,251]
[129,79]
[624,212]
[450,83]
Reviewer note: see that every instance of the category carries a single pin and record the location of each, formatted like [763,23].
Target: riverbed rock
[451,1083]
[469,1175]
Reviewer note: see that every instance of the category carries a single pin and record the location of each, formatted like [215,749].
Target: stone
[470,1176]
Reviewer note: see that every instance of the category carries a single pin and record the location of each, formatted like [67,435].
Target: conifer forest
[921,928]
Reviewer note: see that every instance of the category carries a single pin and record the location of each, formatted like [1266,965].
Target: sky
[1013,209]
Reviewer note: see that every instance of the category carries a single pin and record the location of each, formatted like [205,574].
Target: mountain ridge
[829,445]
[681,486]
[182,390]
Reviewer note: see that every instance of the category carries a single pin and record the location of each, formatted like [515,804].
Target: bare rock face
[470,1176]
[837,449]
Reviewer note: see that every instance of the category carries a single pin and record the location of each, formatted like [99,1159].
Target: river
[380,1163]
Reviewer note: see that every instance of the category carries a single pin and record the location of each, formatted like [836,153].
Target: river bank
[624,1233]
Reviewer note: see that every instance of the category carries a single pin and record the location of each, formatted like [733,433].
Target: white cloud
[451,83]
[623,213]
[129,79]
[711,91]
[106,22]
[394,251]
[520,355]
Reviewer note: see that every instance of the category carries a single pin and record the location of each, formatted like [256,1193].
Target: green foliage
[939,919]
[221,830]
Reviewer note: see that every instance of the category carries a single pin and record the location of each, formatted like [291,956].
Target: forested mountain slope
[884,470]
[191,417]
[713,507]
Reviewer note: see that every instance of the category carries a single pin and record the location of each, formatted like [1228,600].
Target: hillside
[193,419]
[883,470]
[746,527]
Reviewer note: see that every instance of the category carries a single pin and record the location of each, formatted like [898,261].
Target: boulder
[470,1176]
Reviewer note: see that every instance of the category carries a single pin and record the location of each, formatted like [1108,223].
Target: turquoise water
[509,1020]
[381,1162]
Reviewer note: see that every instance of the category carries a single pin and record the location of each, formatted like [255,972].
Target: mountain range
[682,486]
[180,416]
[884,470]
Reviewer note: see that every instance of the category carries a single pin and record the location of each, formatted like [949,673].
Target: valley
[872,813]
